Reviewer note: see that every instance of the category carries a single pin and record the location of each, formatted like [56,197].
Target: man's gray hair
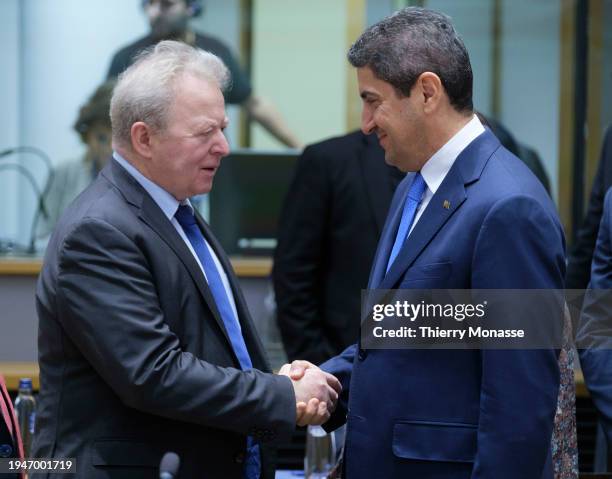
[413,41]
[144,92]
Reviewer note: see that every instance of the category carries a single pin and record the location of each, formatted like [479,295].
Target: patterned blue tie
[187,220]
[415,193]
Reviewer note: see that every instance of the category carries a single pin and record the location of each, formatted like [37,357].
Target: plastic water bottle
[25,407]
[320,453]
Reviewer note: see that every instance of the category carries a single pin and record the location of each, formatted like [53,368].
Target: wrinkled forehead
[199,99]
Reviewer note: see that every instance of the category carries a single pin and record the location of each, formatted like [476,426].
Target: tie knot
[417,188]
[185,216]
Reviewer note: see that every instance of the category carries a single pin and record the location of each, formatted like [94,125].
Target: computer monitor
[246,199]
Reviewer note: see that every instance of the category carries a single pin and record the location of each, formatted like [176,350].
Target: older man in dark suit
[145,341]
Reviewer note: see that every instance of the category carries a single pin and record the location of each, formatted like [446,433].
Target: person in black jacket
[329,227]
[523,152]
[579,263]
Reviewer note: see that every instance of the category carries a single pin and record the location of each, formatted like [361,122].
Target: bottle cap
[25,383]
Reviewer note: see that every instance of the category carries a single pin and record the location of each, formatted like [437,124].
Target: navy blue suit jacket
[450,413]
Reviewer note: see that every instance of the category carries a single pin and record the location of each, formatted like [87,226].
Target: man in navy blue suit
[470,216]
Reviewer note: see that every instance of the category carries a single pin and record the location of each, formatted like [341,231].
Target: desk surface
[258,267]
[12,372]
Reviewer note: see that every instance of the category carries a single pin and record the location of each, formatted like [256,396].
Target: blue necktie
[415,193]
[187,220]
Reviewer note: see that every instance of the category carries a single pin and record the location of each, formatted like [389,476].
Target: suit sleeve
[594,339]
[579,264]
[340,366]
[108,306]
[299,261]
[520,246]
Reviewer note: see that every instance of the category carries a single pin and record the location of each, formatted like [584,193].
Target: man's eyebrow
[212,123]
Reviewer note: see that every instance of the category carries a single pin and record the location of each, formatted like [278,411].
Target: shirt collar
[437,167]
[167,203]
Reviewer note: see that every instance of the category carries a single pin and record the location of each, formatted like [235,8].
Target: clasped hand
[316,392]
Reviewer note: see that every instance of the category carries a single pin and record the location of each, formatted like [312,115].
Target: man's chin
[165,32]
[390,159]
[204,189]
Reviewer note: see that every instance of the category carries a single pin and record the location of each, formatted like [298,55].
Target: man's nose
[221,146]
[153,10]
[367,122]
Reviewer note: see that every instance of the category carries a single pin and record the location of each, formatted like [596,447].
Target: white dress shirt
[437,167]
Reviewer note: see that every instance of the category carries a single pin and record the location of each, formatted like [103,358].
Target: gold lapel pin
[446,204]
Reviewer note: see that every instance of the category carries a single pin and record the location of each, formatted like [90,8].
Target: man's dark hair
[412,41]
[197,6]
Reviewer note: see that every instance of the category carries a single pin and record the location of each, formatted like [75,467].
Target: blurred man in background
[169,19]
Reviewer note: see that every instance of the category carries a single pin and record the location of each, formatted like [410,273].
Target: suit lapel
[388,236]
[151,214]
[447,200]
[432,219]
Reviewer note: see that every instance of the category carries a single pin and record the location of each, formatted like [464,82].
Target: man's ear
[432,90]
[141,139]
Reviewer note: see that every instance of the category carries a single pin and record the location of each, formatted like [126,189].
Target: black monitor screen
[246,200]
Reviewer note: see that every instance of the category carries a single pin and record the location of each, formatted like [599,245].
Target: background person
[169,19]
[329,227]
[71,177]
[581,256]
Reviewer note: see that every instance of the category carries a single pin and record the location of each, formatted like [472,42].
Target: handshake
[316,392]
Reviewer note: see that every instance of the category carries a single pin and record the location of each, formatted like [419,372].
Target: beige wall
[299,64]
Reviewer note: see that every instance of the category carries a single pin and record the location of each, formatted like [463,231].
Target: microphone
[30,178]
[40,195]
[41,155]
[169,466]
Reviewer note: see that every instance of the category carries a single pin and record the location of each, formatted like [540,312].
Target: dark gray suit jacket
[134,357]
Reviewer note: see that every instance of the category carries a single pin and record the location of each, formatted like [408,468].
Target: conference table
[18,324]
